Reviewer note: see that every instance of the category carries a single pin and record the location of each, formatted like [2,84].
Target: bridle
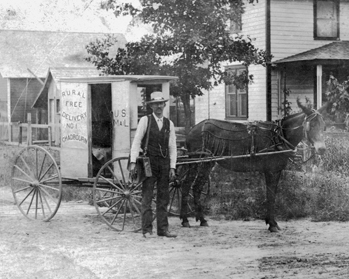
[307,121]
[305,125]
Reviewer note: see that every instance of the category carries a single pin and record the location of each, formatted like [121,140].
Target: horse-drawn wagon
[93,121]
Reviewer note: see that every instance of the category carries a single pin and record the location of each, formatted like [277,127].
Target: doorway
[102,125]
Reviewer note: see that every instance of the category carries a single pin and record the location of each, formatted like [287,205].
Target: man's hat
[157,97]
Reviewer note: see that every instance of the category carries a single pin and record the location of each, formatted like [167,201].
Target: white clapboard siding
[253,24]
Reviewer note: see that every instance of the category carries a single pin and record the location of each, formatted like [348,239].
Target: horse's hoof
[204,224]
[185,224]
[274,228]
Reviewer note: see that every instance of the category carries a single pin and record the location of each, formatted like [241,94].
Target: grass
[321,192]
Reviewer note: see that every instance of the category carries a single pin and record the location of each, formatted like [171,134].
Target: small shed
[93,118]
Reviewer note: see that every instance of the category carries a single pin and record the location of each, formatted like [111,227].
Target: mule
[246,142]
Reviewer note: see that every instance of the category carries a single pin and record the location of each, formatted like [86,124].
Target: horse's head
[314,127]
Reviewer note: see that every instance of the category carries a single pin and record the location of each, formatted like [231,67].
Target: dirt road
[75,244]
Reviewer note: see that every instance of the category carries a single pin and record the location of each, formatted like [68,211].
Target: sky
[64,15]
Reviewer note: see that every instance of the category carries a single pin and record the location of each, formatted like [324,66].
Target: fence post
[29,131]
[20,134]
[9,127]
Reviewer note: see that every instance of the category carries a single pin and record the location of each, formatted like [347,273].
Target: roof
[332,51]
[140,79]
[40,50]
[59,73]
[89,75]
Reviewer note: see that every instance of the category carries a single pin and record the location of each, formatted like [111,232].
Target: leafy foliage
[190,40]
[338,95]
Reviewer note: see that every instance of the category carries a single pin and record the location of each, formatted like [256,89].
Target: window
[236,99]
[326,19]
[234,26]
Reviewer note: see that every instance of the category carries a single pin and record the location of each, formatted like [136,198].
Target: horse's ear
[305,109]
[324,107]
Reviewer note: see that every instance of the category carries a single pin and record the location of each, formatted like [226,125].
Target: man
[162,152]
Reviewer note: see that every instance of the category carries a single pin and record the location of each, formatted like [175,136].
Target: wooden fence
[25,133]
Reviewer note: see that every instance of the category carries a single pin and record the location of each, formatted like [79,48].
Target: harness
[249,131]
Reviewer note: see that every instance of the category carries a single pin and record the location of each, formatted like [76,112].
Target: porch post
[279,92]
[318,86]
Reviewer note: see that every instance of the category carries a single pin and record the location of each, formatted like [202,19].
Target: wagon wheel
[174,207]
[116,197]
[36,183]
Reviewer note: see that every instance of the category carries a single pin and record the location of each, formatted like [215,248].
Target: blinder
[307,121]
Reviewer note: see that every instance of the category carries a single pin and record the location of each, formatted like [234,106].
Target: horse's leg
[272,180]
[203,173]
[185,189]
[184,205]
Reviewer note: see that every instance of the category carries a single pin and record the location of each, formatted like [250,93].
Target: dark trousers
[160,168]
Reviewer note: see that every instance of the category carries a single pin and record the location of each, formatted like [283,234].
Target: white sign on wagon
[74,127]
[74,115]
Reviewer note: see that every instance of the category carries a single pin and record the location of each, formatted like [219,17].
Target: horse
[245,147]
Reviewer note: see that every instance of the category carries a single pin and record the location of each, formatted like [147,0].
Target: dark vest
[158,140]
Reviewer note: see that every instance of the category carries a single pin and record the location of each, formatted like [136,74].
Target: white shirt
[141,131]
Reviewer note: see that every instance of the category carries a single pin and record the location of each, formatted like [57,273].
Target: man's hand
[172,174]
[133,170]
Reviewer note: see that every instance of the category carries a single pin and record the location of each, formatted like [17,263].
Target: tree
[190,40]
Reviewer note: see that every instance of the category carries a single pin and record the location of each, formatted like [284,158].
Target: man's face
[158,108]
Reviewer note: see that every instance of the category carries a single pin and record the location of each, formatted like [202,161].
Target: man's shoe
[167,234]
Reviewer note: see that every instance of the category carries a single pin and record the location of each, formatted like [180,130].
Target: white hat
[157,97]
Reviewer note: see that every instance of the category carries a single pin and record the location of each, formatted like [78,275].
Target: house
[25,59]
[308,39]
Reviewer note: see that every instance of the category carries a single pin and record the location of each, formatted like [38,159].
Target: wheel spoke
[26,165]
[133,216]
[125,210]
[42,205]
[113,205]
[137,209]
[172,199]
[107,199]
[50,178]
[31,201]
[106,190]
[136,188]
[42,165]
[49,187]
[22,171]
[22,189]
[117,212]
[48,195]
[45,200]
[26,196]
[122,173]
[111,183]
[46,171]
[114,175]
[36,203]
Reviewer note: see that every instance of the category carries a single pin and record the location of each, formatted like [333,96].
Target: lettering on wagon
[73,92]
[120,118]
[75,137]
[78,117]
